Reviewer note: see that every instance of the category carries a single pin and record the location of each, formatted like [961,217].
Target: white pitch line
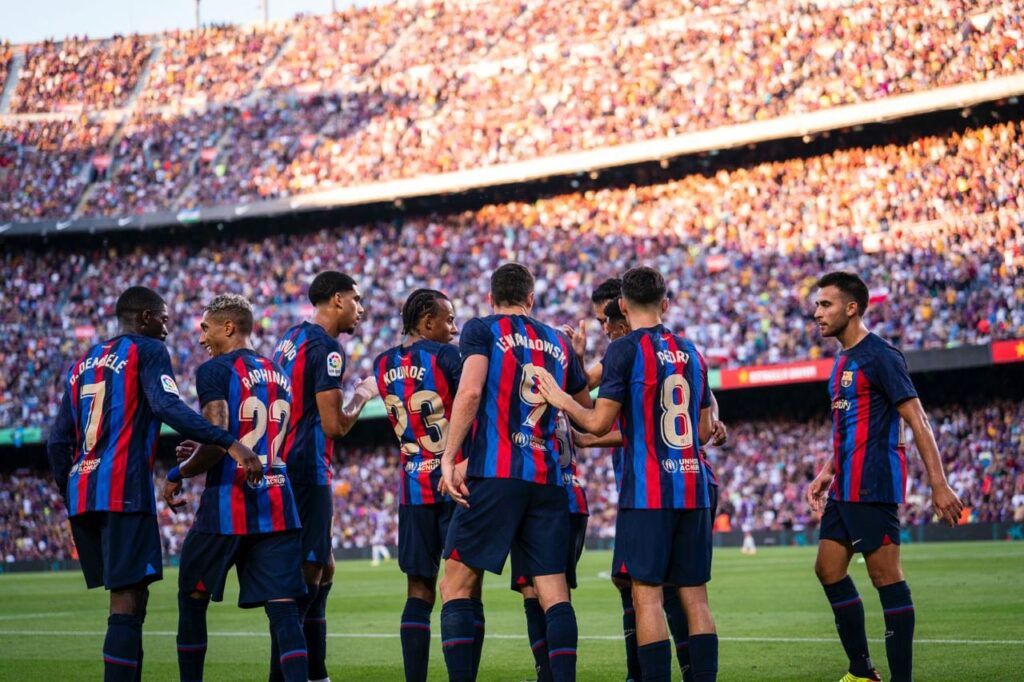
[611,638]
[30,616]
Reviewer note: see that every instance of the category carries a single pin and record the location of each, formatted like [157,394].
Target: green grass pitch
[772,618]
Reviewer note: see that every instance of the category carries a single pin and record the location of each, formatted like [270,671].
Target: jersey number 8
[676,425]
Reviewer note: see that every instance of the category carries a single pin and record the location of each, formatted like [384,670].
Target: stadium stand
[401,90]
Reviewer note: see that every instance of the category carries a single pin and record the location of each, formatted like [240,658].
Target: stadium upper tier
[763,474]
[397,90]
[935,225]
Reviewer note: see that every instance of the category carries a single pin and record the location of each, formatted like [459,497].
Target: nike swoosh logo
[5,227]
[63,224]
[241,210]
[856,541]
[121,222]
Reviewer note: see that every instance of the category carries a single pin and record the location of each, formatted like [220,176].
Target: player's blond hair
[233,306]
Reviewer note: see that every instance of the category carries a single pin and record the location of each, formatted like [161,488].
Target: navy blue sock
[142,623]
[314,625]
[898,608]
[458,640]
[302,603]
[479,630]
[415,633]
[563,634]
[704,657]
[849,615]
[191,637]
[679,628]
[633,673]
[656,661]
[285,629]
[121,647]
[537,632]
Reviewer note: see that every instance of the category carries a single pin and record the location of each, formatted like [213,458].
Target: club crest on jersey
[847,379]
[334,364]
[167,382]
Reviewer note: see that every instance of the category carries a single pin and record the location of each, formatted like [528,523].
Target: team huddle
[490,432]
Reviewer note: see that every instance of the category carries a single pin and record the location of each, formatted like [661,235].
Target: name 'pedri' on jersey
[418,384]
[315,362]
[567,461]
[258,397]
[103,442]
[514,432]
[868,382]
[661,382]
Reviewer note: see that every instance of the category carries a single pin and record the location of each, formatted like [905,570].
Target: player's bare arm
[464,409]
[337,419]
[945,502]
[705,427]
[612,439]
[719,432]
[597,420]
[594,375]
[818,489]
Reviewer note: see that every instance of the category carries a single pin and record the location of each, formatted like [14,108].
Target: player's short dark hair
[608,290]
[851,286]
[643,286]
[135,300]
[421,303]
[327,284]
[511,284]
[233,307]
[613,311]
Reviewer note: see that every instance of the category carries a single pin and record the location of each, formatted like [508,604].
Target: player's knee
[129,602]
[312,572]
[327,574]
[458,581]
[884,575]
[200,596]
[827,574]
[422,588]
[621,584]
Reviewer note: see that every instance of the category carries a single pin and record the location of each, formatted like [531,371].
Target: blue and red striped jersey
[315,362]
[617,454]
[418,383]
[102,445]
[661,382]
[867,384]
[258,396]
[514,432]
[567,461]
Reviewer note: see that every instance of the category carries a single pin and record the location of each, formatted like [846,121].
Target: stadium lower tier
[763,472]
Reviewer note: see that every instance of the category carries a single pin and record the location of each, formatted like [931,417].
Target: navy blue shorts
[118,550]
[507,511]
[316,513]
[665,546]
[577,540]
[865,526]
[269,566]
[422,529]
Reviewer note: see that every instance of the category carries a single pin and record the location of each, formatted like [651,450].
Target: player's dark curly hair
[135,300]
[850,284]
[327,284]
[613,311]
[420,304]
[608,290]
[643,286]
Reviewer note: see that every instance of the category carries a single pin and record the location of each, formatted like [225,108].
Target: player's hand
[578,337]
[582,440]
[817,492]
[185,449]
[249,461]
[171,491]
[367,388]
[453,481]
[946,504]
[719,433]
[552,392]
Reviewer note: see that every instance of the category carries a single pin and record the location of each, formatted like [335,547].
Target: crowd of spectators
[763,474]
[397,90]
[78,73]
[936,226]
